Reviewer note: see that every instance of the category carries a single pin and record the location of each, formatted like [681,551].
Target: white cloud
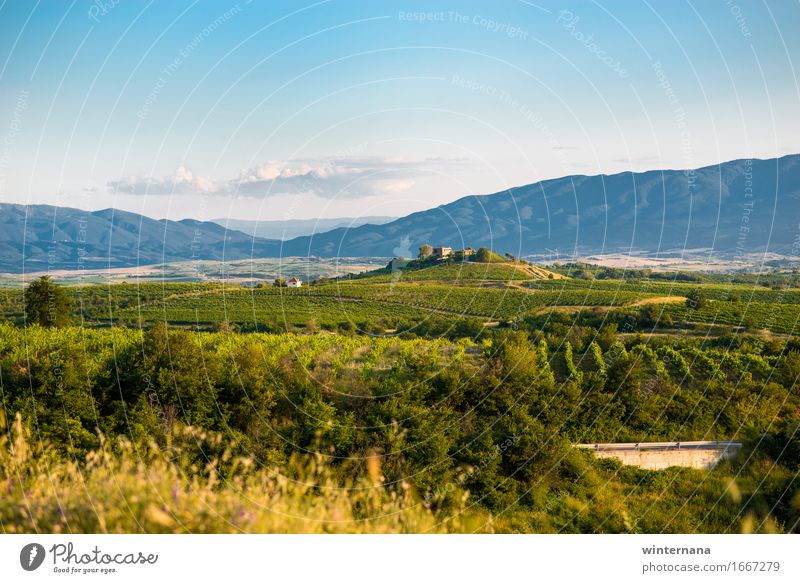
[351,177]
[181,182]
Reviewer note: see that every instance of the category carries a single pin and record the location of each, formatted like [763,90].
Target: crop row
[784,318]
[734,293]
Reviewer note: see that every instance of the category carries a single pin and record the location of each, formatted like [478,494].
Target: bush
[696,299]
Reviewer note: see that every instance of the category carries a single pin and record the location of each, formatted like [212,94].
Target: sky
[290,110]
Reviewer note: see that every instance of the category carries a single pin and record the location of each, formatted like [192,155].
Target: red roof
[294,280]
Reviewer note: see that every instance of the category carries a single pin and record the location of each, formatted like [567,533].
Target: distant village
[278,282]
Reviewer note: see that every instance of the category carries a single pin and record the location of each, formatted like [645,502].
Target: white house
[294,282]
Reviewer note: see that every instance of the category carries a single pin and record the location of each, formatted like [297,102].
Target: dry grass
[158,491]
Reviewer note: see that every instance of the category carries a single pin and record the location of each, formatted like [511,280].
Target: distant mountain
[737,207]
[40,237]
[289,229]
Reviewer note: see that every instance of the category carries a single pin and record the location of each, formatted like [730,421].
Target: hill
[736,207]
[454,272]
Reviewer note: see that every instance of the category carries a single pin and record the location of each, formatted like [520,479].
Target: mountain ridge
[736,207]
[40,237]
[293,228]
[677,229]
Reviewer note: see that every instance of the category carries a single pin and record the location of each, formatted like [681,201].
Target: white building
[294,282]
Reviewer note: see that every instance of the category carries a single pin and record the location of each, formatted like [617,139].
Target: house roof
[294,279]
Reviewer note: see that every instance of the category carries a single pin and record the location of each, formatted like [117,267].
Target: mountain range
[732,208]
[291,228]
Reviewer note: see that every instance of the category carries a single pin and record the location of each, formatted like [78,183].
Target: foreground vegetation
[170,490]
[126,430]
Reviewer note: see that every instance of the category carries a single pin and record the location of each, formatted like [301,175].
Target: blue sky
[280,110]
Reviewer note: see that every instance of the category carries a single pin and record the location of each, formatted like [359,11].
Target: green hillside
[470,273]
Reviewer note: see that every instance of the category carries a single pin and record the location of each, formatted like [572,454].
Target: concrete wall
[658,456]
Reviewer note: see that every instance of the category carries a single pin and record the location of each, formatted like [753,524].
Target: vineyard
[331,303]
[465,273]
[735,293]
[772,316]
[405,301]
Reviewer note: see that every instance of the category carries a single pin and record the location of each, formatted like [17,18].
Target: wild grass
[174,490]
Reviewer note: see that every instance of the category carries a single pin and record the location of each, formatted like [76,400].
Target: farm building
[294,282]
[442,252]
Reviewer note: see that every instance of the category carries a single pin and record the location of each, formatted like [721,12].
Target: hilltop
[484,267]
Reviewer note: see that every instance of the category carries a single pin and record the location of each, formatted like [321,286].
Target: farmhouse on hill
[442,252]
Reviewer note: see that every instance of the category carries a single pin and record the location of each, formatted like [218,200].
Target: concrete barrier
[660,455]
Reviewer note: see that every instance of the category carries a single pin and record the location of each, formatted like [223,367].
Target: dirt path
[538,272]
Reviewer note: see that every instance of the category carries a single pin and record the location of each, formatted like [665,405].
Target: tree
[483,255]
[607,336]
[649,316]
[789,369]
[46,303]
[696,300]
[425,251]
[280,282]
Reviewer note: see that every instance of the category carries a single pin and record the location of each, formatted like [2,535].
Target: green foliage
[443,421]
[696,300]
[569,363]
[157,490]
[597,357]
[486,255]
[46,303]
